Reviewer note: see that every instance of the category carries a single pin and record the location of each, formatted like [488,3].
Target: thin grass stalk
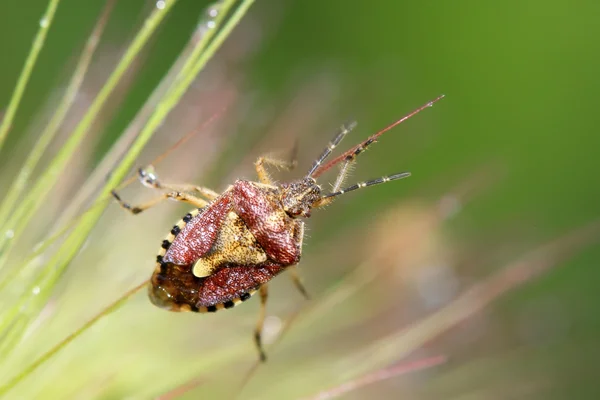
[400,344]
[35,198]
[66,226]
[165,106]
[180,68]
[47,278]
[121,300]
[104,168]
[36,48]
[212,47]
[20,183]
[65,222]
[378,376]
[46,356]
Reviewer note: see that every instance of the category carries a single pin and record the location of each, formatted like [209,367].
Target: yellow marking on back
[235,244]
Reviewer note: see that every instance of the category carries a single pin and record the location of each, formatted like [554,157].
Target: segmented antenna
[365,184]
[344,129]
[317,171]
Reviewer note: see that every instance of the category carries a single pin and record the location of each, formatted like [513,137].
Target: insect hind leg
[298,282]
[264,295]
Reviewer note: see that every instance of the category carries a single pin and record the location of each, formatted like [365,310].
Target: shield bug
[232,244]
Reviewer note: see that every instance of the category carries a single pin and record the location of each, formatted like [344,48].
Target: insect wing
[231,285]
[196,238]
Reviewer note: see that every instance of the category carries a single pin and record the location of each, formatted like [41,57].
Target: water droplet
[36,290]
[10,234]
[208,21]
[44,22]
[160,4]
[213,10]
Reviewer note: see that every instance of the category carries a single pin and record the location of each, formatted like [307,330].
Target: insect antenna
[351,154]
[364,184]
[343,131]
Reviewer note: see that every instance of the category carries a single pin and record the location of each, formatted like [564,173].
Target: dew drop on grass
[9,234]
[160,4]
[35,290]
[44,22]
[208,20]
[213,11]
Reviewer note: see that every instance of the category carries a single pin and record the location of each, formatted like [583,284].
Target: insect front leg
[149,178]
[264,295]
[179,196]
[339,181]
[262,162]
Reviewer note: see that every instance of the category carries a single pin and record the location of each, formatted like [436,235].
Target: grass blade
[35,198]
[378,376]
[20,183]
[32,367]
[36,48]
[32,301]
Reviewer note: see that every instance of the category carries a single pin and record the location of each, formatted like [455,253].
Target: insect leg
[339,181]
[148,178]
[187,198]
[260,164]
[298,282]
[264,294]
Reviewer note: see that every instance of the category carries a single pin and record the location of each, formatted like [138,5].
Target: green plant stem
[180,67]
[56,265]
[23,80]
[35,198]
[20,182]
[33,366]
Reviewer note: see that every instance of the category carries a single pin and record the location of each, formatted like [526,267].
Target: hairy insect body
[233,244]
[224,252]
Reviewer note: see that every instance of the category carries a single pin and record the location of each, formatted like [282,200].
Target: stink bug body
[232,244]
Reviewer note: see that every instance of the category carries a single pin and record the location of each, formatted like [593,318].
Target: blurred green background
[521,80]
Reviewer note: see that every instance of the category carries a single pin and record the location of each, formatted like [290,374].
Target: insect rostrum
[231,245]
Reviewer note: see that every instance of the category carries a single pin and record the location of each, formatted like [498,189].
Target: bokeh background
[505,164]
